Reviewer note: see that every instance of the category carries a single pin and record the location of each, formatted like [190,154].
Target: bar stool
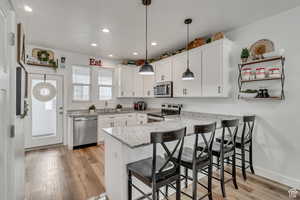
[224,150]
[244,144]
[156,171]
[197,159]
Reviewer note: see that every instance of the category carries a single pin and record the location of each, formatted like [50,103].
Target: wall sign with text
[94,62]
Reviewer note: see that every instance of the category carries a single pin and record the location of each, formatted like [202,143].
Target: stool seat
[187,158]
[216,149]
[238,141]
[143,168]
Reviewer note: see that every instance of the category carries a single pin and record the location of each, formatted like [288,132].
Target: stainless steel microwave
[163,89]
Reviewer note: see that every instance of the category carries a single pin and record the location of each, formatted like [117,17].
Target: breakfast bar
[132,143]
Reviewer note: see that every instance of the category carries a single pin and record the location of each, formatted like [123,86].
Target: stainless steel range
[166,109]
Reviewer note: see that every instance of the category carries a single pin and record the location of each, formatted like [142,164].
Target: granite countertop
[139,135]
[85,113]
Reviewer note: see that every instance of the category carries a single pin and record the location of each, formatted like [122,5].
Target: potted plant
[92,108]
[248,93]
[119,108]
[245,55]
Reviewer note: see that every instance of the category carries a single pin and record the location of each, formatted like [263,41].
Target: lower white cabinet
[142,119]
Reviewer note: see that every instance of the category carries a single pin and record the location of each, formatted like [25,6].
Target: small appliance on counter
[163,89]
[166,109]
[140,105]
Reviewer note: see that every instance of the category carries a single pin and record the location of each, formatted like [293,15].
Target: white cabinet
[104,122]
[163,70]
[187,88]
[131,119]
[149,82]
[126,81]
[142,119]
[138,85]
[215,64]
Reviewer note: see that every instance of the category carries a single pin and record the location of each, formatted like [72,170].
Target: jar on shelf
[246,74]
[274,72]
[260,73]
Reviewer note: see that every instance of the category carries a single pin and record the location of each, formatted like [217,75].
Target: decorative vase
[244,60]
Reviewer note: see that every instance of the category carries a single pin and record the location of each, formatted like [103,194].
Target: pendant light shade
[188,74]
[146,69]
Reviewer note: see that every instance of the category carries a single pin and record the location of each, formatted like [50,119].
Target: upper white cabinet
[138,86]
[126,81]
[215,65]
[149,82]
[190,88]
[163,70]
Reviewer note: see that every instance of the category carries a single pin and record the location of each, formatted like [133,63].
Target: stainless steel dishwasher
[85,131]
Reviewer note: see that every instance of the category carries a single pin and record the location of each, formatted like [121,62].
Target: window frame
[105,85]
[82,84]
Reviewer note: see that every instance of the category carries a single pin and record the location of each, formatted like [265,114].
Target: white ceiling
[74,24]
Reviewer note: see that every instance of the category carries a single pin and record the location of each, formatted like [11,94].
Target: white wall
[277,135]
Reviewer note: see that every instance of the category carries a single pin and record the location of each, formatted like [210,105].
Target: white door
[45,118]
[8,165]
[163,70]
[211,69]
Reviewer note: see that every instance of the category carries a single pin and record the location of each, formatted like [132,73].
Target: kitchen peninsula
[129,144]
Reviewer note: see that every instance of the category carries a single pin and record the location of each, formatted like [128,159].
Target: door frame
[29,142]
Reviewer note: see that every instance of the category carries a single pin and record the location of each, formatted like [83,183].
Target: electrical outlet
[293,193]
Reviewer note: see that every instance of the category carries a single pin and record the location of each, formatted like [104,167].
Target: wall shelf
[41,65]
[260,99]
[281,79]
[265,79]
[262,60]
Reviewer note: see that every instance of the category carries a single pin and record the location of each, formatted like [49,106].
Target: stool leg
[154,192]
[167,191]
[222,176]
[244,162]
[195,180]
[234,171]
[251,158]
[129,185]
[157,194]
[210,171]
[178,189]
[186,177]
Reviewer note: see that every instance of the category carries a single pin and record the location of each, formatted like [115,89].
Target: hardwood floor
[60,174]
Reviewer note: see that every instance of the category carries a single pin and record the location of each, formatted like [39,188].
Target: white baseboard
[291,182]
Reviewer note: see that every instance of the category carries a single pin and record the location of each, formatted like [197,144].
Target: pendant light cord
[187,46]
[146,33]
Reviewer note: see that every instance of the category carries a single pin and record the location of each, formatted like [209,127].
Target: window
[105,84]
[81,79]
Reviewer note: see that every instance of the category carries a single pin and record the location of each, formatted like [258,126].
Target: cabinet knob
[219,89]
[133,93]
[122,93]
[162,77]
[148,93]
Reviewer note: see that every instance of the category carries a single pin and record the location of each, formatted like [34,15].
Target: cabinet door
[126,81]
[138,84]
[130,120]
[104,123]
[212,70]
[149,82]
[187,88]
[142,119]
[120,122]
[163,70]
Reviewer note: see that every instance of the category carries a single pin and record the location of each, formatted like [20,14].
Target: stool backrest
[163,137]
[229,133]
[248,127]
[207,133]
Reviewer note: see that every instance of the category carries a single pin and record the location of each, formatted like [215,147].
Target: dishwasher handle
[86,119]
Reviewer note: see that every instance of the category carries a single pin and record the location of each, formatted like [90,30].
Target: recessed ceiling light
[135,53]
[154,43]
[94,44]
[105,30]
[110,55]
[27,8]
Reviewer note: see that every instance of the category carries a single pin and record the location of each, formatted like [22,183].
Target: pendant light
[188,74]
[147,68]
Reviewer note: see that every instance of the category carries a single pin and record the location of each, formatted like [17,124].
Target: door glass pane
[44,115]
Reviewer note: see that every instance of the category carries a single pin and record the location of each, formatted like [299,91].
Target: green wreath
[43,56]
